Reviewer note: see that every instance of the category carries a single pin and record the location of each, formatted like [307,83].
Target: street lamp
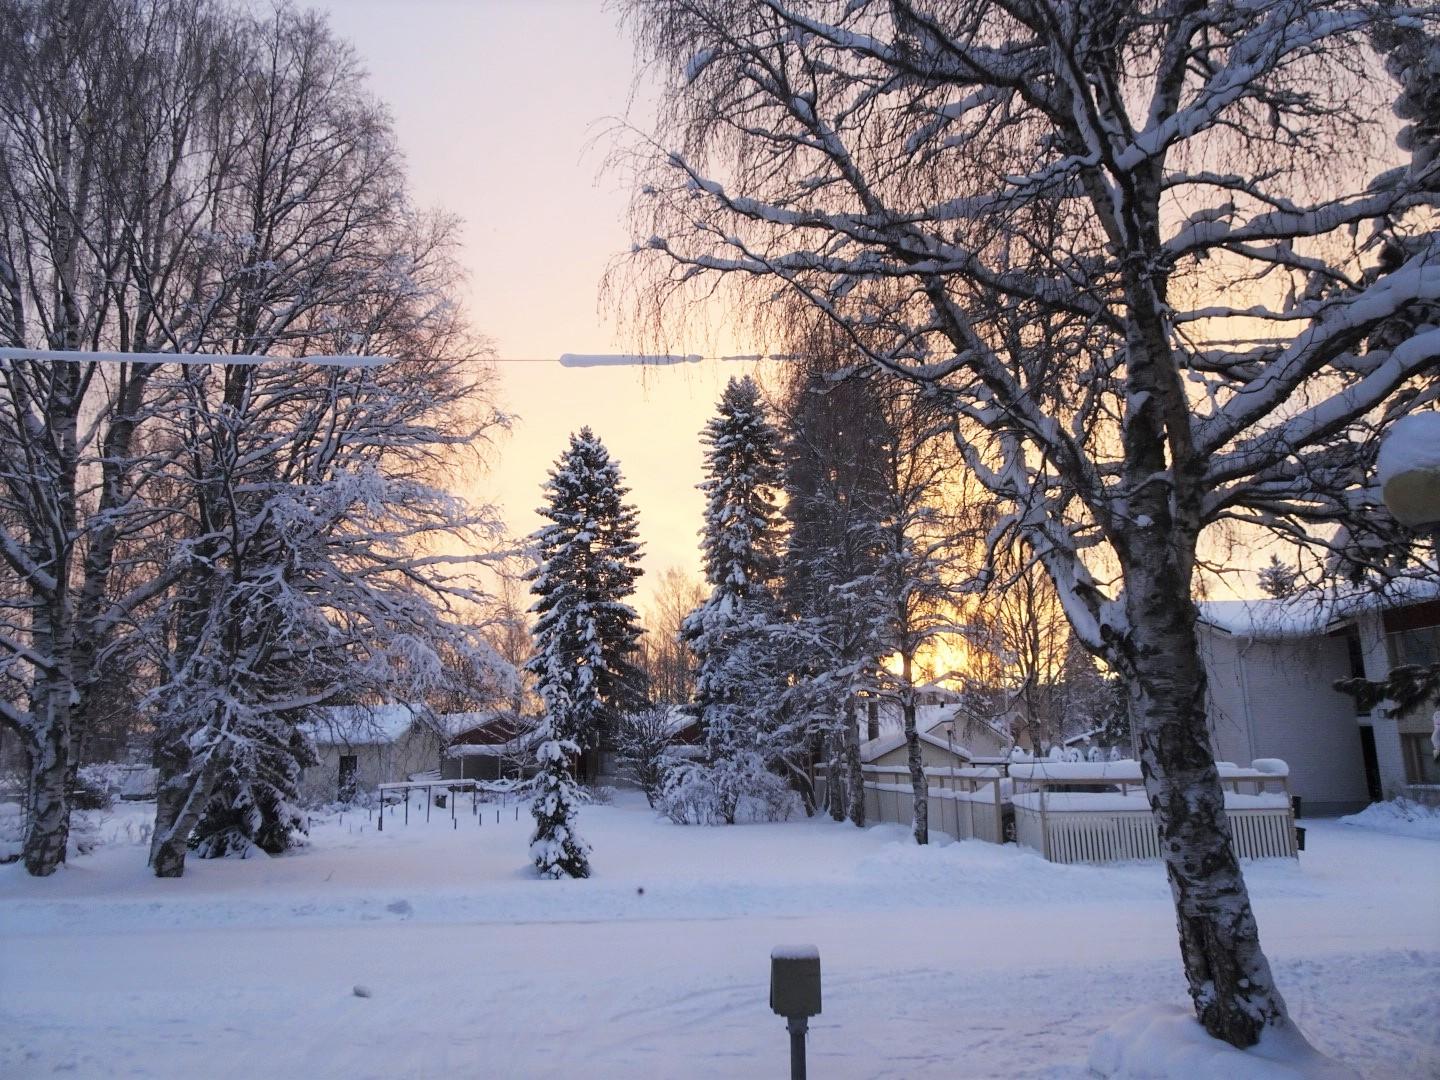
[1408,470]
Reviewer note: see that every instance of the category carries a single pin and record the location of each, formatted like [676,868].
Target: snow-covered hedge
[724,793]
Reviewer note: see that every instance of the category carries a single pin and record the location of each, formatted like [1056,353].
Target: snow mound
[1165,1042]
[1401,816]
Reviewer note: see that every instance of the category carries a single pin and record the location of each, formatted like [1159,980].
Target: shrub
[738,789]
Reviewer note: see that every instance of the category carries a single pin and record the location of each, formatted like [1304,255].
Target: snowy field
[957,960]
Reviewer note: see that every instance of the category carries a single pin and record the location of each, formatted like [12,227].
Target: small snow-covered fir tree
[256,801]
[1279,579]
[556,848]
[585,633]
[738,679]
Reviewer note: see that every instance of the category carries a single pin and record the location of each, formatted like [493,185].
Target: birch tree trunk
[918,784]
[47,806]
[1228,977]
[180,799]
[855,778]
[836,780]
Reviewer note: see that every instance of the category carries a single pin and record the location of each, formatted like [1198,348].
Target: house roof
[893,740]
[1309,614]
[488,729]
[360,725]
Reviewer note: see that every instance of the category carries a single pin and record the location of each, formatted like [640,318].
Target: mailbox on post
[795,995]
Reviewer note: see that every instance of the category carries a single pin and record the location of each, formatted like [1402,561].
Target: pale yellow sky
[500,108]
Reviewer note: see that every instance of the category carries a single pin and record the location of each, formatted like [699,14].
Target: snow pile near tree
[1403,817]
[1165,1042]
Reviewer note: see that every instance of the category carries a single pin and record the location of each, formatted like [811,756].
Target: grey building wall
[1277,699]
[382,763]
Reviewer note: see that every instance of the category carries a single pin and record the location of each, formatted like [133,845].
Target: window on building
[1418,646]
[1420,765]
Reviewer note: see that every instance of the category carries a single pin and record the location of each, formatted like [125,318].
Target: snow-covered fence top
[959,773]
[1128,772]
[964,773]
[1108,801]
[1116,823]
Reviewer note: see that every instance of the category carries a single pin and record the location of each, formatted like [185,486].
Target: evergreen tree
[585,635]
[738,679]
[837,497]
[1278,579]
[256,801]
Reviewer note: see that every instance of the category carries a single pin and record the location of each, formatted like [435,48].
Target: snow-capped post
[795,995]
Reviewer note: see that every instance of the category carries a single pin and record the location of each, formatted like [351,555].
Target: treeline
[843,544]
[219,547]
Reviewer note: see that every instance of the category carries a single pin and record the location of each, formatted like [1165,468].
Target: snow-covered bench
[1068,825]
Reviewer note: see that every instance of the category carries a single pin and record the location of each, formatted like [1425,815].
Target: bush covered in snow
[725,792]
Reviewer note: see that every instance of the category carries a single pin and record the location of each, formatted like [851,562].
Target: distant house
[949,738]
[360,746]
[1272,666]
[488,746]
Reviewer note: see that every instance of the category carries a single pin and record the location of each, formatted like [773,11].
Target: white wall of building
[1277,699]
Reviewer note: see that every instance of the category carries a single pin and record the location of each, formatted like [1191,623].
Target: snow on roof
[361,725]
[1312,613]
[893,740]
[678,720]
[454,725]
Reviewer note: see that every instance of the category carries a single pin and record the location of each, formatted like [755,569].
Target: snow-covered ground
[958,960]
[1403,817]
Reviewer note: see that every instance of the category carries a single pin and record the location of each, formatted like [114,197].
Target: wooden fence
[1066,825]
[964,803]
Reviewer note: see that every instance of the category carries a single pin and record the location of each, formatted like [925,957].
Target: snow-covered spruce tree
[739,679]
[973,193]
[256,797]
[835,433]
[585,634]
[1277,579]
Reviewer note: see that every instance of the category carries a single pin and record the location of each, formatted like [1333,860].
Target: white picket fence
[964,803]
[1068,826]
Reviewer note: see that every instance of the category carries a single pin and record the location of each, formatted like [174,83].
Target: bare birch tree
[1131,246]
[102,106]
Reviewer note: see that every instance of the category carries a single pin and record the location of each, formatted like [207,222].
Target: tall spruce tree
[836,499]
[585,636]
[739,679]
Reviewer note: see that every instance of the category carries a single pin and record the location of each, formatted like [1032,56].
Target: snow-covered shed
[1272,665]
[360,746]
[488,746]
